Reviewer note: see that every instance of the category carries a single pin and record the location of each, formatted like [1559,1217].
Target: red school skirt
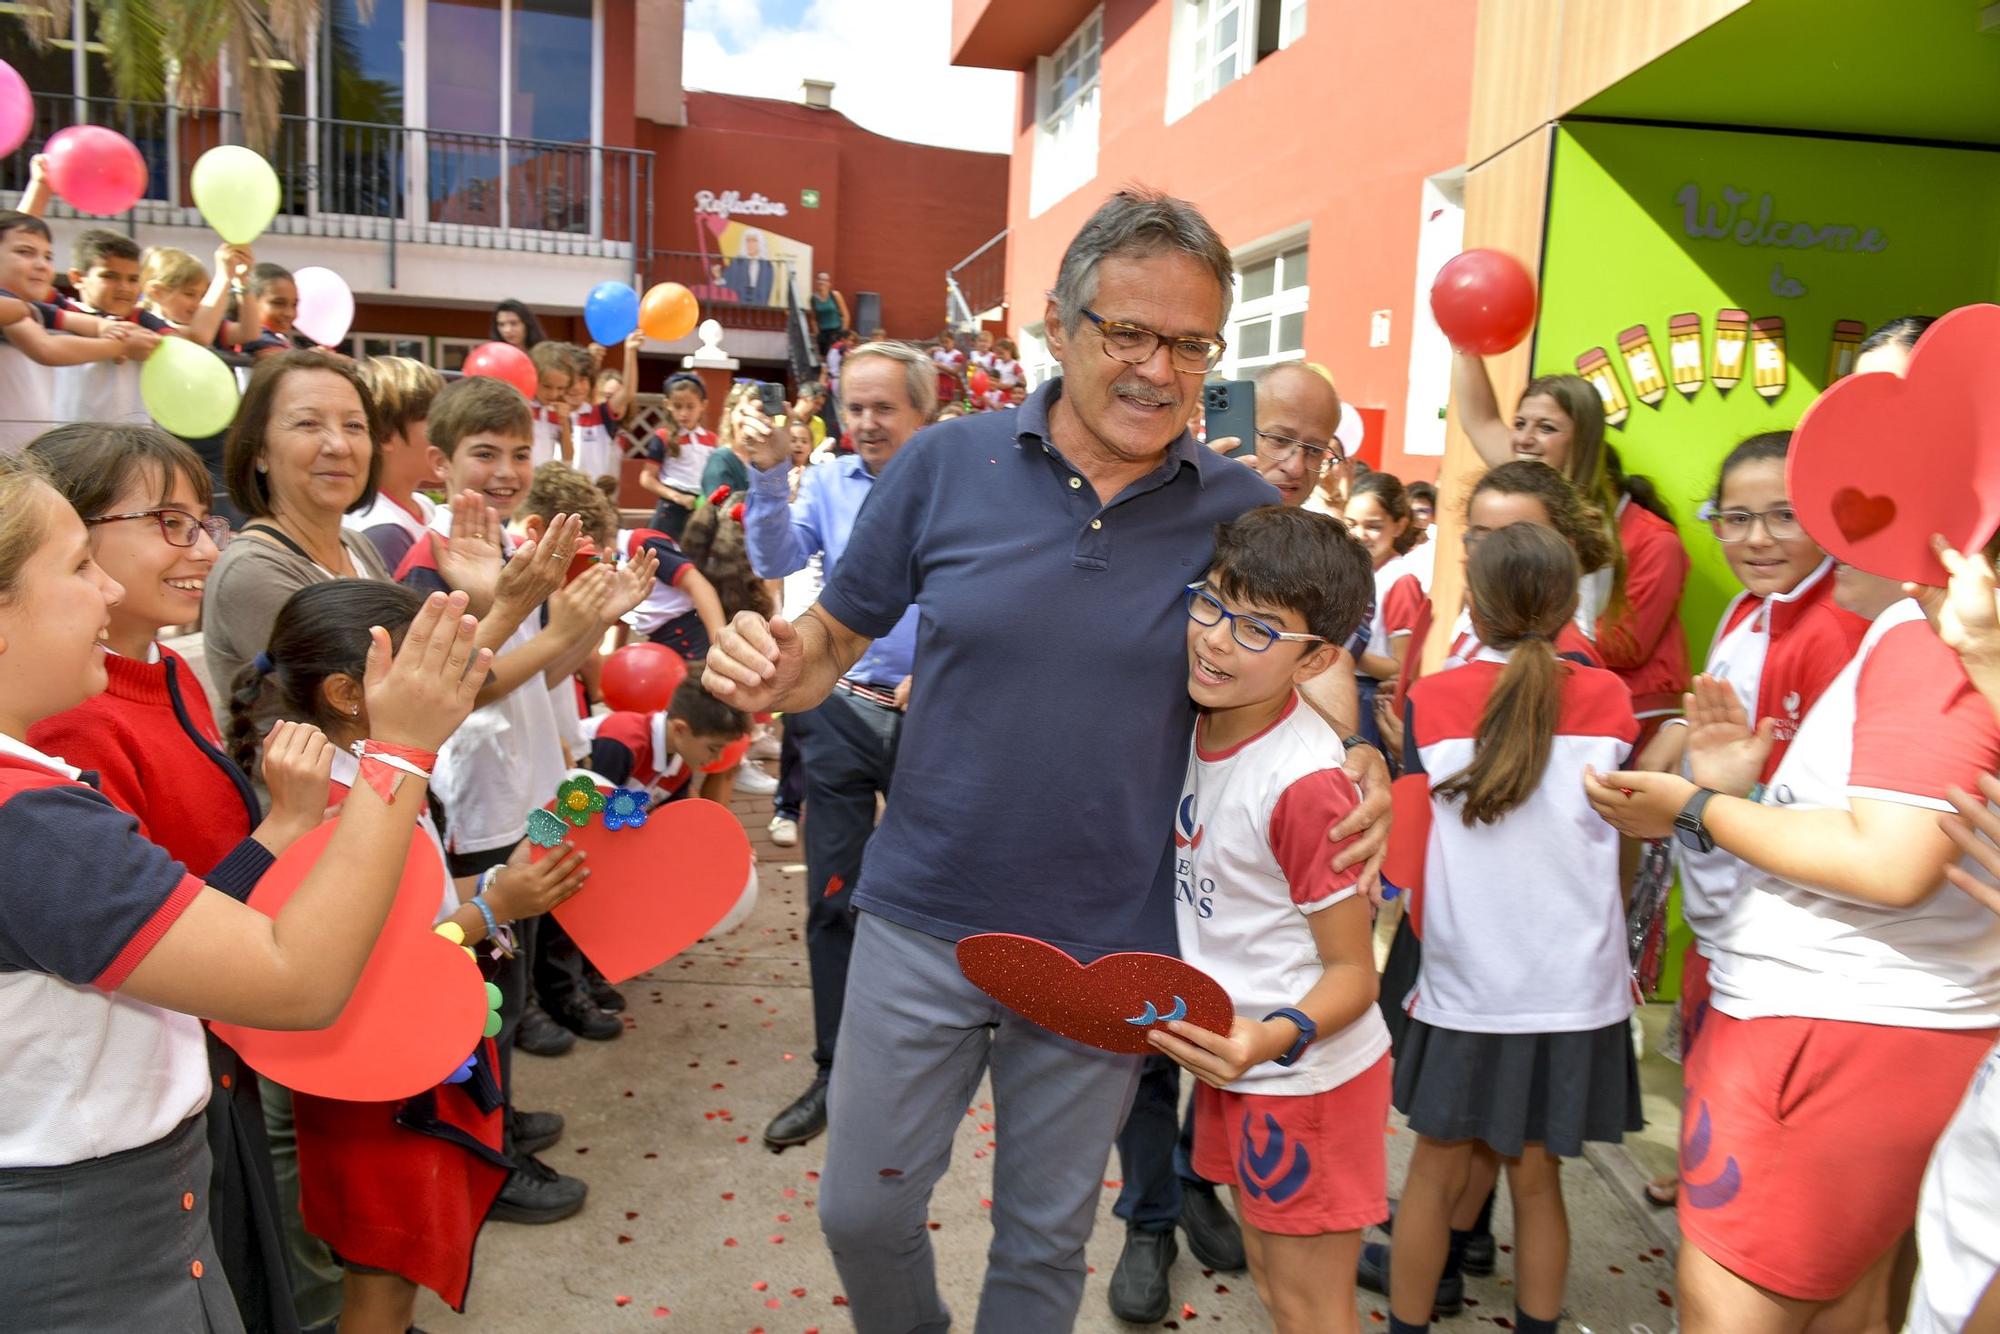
[404,1187]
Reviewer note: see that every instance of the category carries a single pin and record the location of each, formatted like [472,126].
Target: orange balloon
[668,312]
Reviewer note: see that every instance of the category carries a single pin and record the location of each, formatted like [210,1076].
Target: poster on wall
[748,260]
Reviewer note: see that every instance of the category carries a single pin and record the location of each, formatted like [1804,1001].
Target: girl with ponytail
[1516,1050]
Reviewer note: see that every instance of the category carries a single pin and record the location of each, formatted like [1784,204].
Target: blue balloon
[612,312]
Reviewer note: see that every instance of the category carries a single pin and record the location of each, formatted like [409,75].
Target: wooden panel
[1602,43]
[1513,73]
[1506,207]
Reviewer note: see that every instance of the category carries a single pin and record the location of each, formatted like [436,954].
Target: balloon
[326,306]
[17,109]
[978,382]
[1484,301]
[668,312]
[236,191]
[504,361]
[188,389]
[641,678]
[611,312]
[96,170]
[731,756]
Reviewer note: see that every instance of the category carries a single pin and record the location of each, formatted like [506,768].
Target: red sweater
[1647,647]
[152,742]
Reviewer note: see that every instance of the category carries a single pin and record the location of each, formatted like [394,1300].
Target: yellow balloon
[188,389]
[236,191]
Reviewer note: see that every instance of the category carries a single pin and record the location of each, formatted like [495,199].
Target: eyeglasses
[180,528]
[1781,523]
[1205,608]
[1275,448]
[1135,346]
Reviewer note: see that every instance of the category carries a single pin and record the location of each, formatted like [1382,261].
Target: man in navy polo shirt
[1039,765]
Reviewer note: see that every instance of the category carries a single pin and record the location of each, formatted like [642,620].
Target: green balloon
[492,1022]
[236,191]
[188,389]
[492,997]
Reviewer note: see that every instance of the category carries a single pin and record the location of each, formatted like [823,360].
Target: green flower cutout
[577,800]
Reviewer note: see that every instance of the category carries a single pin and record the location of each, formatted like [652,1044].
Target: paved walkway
[693,1225]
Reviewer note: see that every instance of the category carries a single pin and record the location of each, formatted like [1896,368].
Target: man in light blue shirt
[847,746]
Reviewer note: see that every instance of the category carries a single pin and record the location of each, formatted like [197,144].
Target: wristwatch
[1308,1030]
[1688,827]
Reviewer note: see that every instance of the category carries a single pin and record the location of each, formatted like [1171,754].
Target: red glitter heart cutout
[1092,1004]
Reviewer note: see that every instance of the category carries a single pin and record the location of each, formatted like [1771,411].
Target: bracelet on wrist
[486,912]
[384,764]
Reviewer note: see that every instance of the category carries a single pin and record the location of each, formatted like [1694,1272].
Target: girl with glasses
[152,740]
[1781,641]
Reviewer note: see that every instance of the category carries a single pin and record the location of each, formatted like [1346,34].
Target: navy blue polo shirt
[1049,716]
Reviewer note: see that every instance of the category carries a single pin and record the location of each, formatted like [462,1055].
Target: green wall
[1891,230]
[1894,230]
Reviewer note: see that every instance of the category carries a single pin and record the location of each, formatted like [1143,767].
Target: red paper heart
[1858,514]
[416,1013]
[1091,1004]
[657,889]
[1926,444]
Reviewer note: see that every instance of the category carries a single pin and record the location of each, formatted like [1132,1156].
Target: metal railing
[726,291]
[977,283]
[388,183]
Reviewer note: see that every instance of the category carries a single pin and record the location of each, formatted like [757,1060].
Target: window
[452,352]
[361,346]
[1217,42]
[1066,116]
[1038,364]
[1268,322]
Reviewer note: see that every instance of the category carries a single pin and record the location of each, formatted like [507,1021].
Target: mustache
[1143,393]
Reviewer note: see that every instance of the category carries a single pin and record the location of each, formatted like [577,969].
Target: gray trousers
[914,1042]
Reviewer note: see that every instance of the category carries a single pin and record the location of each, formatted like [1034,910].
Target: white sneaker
[784,831]
[765,747]
[751,779]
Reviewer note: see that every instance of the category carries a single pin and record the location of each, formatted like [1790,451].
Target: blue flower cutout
[625,809]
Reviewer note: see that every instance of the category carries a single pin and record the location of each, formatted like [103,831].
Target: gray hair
[919,371]
[1138,221]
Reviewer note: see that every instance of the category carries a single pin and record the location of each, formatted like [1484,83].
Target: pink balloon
[326,305]
[17,109]
[504,361]
[95,169]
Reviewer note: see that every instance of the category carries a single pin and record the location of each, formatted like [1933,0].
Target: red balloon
[979,381]
[1484,301]
[641,678]
[96,170]
[504,361]
[731,756]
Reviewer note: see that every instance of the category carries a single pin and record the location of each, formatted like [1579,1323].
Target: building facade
[1325,139]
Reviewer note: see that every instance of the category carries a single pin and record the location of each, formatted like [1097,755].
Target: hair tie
[262,662]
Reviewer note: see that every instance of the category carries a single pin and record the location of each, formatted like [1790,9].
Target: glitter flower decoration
[577,800]
[625,810]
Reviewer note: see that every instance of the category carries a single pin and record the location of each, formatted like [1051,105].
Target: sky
[889,60]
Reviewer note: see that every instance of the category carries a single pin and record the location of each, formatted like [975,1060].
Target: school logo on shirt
[1188,833]
[1259,1171]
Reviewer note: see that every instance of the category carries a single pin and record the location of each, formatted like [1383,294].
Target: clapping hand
[298,766]
[632,583]
[469,559]
[538,566]
[419,696]
[1724,752]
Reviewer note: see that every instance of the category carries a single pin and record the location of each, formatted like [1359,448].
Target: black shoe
[605,996]
[1139,1284]
[1373,1274]
[537,1193]
[1479,1248]
[540,1035]
[802,1121]
[535,1131]
[1214,1239]
[580,1015]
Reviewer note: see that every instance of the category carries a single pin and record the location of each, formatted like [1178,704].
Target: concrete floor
[693,1225]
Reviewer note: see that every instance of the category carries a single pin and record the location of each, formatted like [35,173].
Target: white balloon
[1349,433]
[326,305]
[745,905]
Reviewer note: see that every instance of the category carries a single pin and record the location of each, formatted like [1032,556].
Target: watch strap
[1308,1030]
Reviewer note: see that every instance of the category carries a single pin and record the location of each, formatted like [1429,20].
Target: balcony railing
[977,283]
[723,290]
[386,183]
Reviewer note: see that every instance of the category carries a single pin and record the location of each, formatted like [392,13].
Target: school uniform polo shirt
[1048,731]
[1899,723]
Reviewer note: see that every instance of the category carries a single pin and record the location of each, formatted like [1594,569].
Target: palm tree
[162,47]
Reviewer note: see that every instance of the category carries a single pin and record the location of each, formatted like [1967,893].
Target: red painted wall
[1338,131]
[910,212]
